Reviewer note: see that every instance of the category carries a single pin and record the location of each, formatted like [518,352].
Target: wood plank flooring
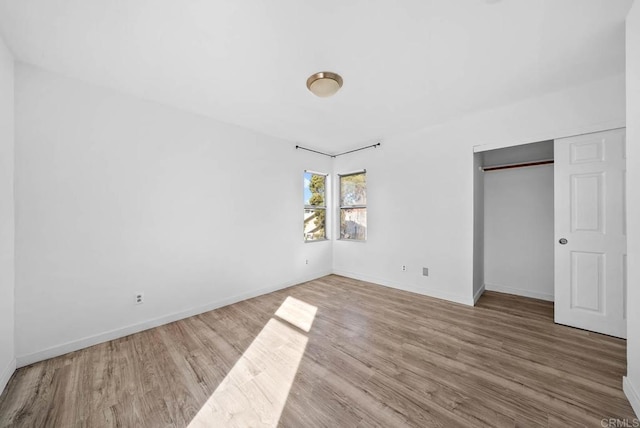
[372,356]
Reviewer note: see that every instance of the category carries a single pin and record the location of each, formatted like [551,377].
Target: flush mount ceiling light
[324,84]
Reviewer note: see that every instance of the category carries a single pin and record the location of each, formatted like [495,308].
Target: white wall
[478,227]
[115,195]
[7,353]
[420,194]
[632,381]
[519,231]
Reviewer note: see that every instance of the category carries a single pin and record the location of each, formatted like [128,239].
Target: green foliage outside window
[315,207]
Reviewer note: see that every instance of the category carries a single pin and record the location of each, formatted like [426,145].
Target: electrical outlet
[139,298]
[425,271]
[404,268]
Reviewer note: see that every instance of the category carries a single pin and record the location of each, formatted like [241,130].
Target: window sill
[315,240]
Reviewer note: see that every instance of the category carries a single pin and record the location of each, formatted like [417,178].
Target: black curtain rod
[314,151]
[357,150]
[339,154]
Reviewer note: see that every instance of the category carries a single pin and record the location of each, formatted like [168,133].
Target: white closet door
[590,247]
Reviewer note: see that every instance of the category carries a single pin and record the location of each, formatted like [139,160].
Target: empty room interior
[337,214]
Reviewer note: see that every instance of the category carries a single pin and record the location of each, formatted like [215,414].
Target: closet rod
[516,165]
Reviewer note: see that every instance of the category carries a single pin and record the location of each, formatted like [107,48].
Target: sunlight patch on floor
[297,312]
[255,391]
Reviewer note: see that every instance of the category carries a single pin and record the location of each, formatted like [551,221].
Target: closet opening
[514,221]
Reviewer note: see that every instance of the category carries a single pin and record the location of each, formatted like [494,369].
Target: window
[353,206]
[315,206]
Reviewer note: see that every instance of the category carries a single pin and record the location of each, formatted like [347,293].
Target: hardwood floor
[372,356]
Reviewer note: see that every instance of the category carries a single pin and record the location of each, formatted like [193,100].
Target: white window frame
[345,207]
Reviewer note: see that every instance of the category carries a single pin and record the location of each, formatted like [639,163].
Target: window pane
[314,224]
[353,223]
[353,190]
[314,189]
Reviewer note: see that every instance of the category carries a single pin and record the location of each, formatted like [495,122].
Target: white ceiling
[406,64]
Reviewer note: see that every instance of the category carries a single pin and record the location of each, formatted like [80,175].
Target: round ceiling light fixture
[324,84]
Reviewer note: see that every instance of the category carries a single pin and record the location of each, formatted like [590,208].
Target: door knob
[563,241]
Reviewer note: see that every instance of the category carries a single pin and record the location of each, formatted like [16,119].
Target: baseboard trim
[519,292]
[478,294]
[632,394]
[397,285]
[75,345]
[6,374]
